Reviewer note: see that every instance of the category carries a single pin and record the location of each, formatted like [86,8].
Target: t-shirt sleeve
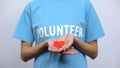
[24,28]
[94,29]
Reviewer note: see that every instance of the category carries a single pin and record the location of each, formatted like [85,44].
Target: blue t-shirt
[46,19]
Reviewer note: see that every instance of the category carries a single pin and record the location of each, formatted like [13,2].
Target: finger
[66,47]
[61,49]
[54,49]
[72,47]
[57,53]
[49,49]
[51,46]
[69,44]
[70,51]
[63,38]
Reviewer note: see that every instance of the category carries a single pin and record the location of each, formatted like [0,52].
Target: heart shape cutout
[59,44]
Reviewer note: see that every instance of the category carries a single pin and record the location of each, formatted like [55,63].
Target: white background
[109,46]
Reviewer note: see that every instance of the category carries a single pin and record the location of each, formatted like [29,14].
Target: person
[74,22]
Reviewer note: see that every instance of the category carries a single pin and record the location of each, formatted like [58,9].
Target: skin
[60,51]
[90,49]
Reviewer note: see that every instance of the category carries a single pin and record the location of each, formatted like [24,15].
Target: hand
[68,48]
[70,51]
[69,39]
[51,46]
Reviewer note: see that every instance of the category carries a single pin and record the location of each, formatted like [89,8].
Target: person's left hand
[69,39]
[68,48]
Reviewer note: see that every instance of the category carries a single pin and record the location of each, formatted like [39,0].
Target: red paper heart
[59,44]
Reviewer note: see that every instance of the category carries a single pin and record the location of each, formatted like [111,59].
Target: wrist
[46,43]
[74,39]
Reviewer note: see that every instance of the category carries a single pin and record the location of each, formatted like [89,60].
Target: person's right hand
[59,51]
[51,46]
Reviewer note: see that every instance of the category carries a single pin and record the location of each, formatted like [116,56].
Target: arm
[28,52]
[90,49]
